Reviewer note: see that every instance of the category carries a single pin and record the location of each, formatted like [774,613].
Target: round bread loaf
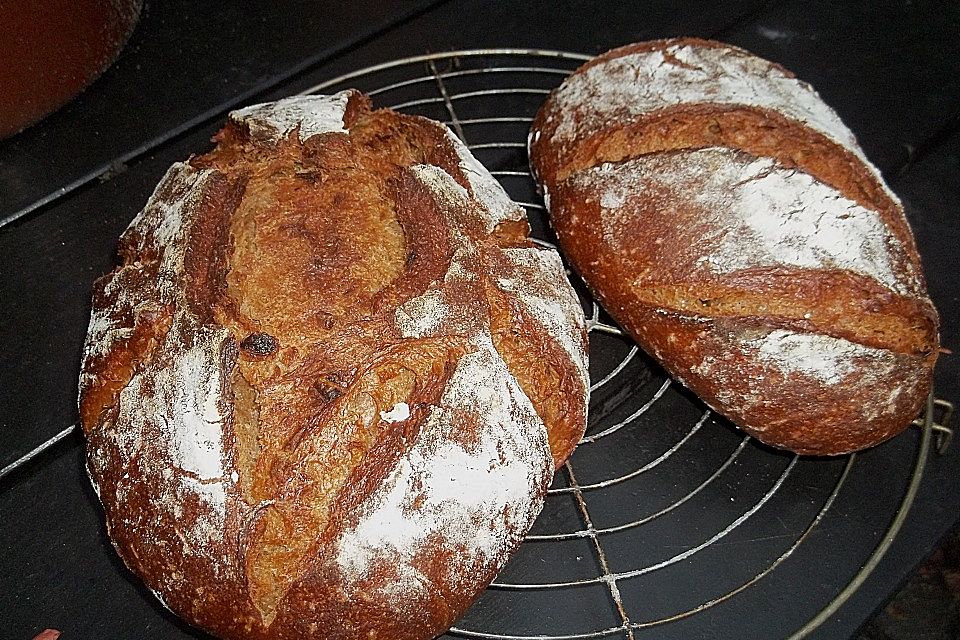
[725,217]
[327,388]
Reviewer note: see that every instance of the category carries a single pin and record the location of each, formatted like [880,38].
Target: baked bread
[320,392]
[687,93]
[746,245]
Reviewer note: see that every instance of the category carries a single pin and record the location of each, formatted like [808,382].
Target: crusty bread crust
[688,93]
[320,392]
[805,349]
[726,218]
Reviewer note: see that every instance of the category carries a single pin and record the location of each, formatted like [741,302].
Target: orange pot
[50,50]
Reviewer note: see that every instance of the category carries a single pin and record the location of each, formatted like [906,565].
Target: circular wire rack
[660,489]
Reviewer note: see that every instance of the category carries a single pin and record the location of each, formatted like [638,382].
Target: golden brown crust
[707,332]
[311,390]
[791,301]
[669,239]
[747,123]
[876,398]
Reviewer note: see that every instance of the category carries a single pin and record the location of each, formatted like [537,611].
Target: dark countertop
[69,186]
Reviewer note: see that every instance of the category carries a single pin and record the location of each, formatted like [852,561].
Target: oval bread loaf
[327,387]
[726,218]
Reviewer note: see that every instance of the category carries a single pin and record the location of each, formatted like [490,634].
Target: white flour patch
[540,284]
[168,432]
[422,316]
[777,216]
[825,358]
[751,212]
[637,84]
[180,403]
[472,498]
[192,390]
[441,183]
[399,413]
[497,205]
[647,81]
[170,420]
[272,121]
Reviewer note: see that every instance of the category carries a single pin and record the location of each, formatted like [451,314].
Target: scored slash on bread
[327,387]
[689,93]
[728,220]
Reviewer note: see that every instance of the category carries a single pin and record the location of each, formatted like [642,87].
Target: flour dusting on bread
[195,386]
[825,358]
[423,315]
[646,81]
[536,283]
[314,115]
[777,216]
[454,487]
[754,213]
[158,229]
[169,418]
[497,205]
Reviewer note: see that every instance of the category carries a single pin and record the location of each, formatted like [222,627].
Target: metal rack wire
[489,98]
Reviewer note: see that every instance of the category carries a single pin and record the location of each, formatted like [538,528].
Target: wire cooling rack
[665,512]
